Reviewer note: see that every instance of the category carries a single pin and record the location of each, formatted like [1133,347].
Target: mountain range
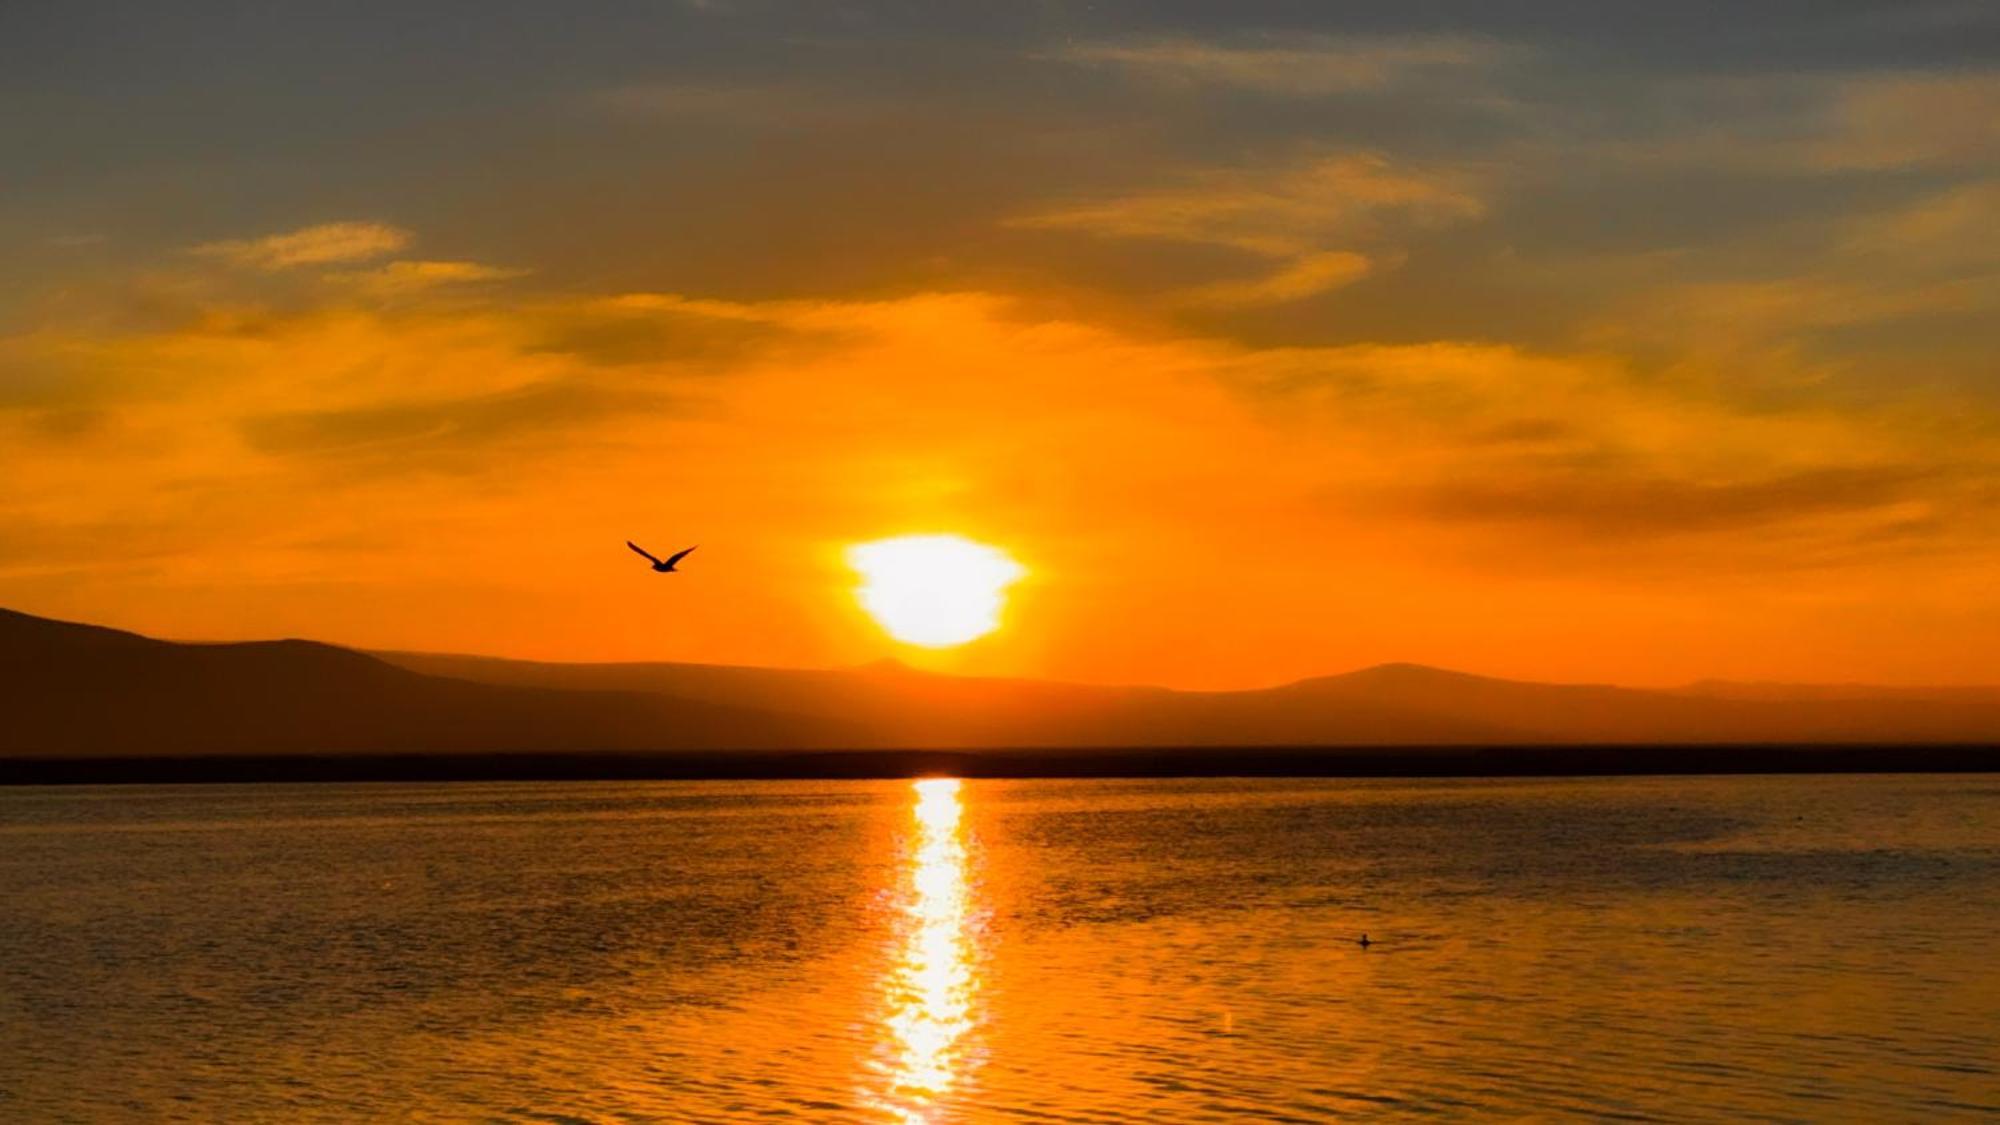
[76,691]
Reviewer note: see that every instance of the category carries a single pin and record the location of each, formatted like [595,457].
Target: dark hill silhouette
[1801,693]
[1600,713]
[77,691]
[903,707]
[1386,705]
[80,690]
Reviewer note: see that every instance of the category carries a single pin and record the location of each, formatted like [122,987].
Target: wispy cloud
[778,104]
[458,433]
[1806,124]
[1304,276]
[308,246]
[410,276]
[1613,505]
[1276,212]
[1288,65]
[1322,222]
[1897,293]
[1948,229]
[1899,121]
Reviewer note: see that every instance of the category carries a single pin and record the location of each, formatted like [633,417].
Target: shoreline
[1122,762]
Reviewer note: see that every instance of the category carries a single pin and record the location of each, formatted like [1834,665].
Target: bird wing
[641,550]
[674,558]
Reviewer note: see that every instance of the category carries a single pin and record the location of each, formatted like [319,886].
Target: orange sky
[1249,409]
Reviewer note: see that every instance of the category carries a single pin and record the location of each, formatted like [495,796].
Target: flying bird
[666,567]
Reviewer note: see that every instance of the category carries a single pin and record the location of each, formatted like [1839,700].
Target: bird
[1364,942]
[666,567]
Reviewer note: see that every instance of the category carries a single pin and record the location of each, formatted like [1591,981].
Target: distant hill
[79,691]
[1602,714]
[1387,705]
[1802,693]
[905,708]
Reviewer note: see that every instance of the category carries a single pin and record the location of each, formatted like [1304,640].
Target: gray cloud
[310,246]
[1293,65]
[434,430]
[1611,505]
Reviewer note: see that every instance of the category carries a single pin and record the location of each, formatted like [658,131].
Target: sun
[934,590]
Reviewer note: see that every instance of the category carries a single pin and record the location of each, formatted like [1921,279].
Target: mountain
[905,708]
[1602,714]
[79,691]
[1387,705]
[1800,693]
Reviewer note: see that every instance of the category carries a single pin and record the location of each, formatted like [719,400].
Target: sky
[1608,342]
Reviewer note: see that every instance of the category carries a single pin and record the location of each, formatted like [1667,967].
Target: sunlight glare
[934,590]
[932,983]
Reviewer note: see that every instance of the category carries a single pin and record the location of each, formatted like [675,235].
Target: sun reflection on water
[931,986]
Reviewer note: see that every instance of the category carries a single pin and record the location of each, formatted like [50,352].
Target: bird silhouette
[1364,942]
[666,567]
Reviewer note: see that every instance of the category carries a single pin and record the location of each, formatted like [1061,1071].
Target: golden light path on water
[932,985]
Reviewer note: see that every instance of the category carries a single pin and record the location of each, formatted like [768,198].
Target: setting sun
[934,590]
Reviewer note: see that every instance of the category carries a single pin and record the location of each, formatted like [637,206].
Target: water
[1104,951]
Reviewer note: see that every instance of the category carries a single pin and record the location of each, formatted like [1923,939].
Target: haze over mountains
[74,691]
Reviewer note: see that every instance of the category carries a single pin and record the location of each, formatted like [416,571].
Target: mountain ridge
[77,690]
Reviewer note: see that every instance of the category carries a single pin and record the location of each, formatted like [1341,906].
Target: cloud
[1944,230]
[461,431]
[663,328]
[307,246]
[1297,65]
[1800,124]
[707,308]
[1740,316]
[1618,506]
[1305,276]
[1902,121]
[1307,217]
[404,277]
[692,100]
[778,105]
[1274,212]
[1900,292]
[1554,454]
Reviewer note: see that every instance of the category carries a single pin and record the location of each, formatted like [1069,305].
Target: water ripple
[1641,949]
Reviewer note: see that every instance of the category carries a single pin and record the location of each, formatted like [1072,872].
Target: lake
[1745,948]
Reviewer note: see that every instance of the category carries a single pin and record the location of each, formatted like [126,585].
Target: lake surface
[1822,948]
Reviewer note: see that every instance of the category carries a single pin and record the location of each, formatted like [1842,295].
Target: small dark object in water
[1364,942]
